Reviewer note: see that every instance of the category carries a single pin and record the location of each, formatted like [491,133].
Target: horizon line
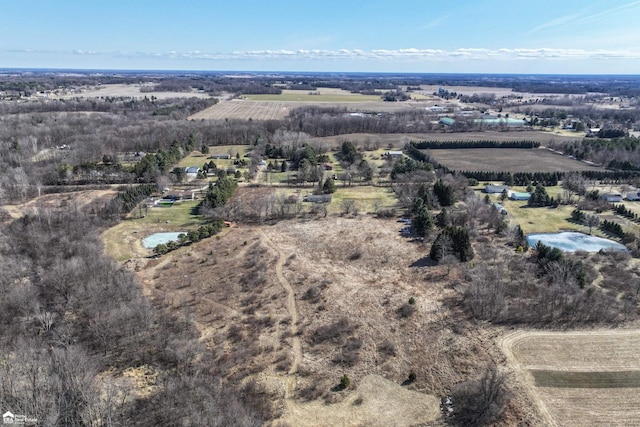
[287,72]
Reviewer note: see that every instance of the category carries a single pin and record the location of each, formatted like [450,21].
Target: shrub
[345,381]
[406,310]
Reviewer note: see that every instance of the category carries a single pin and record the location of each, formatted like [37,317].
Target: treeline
[183,107]
[219,193]
[612,227]
[193,236]
[423,145]
[321,121]
[73,321]
[622,210]
[553,290]
[154,164]
[129,198]
[516,178]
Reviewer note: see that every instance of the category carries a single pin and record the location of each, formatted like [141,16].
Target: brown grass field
[274,109]
[580,378]
[273,299]
[510,160]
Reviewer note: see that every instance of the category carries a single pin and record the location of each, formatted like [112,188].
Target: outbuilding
[612,197]
[519,196]
[394,153]
[495,189]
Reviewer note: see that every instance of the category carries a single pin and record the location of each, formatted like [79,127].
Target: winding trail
[293,312]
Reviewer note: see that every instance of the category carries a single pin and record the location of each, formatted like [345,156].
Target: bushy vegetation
[72,319]
[452,240]
[219,192]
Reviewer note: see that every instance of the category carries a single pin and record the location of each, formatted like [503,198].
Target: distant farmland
[244,110]
[507,159]
[277,107]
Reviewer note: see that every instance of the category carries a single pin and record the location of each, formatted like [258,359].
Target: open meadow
[313,300]
[579,378]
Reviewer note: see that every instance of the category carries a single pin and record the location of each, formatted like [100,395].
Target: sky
[401,36]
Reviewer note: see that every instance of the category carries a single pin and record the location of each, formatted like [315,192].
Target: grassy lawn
[122,241]
[541,220]
[365,197]
[196,158]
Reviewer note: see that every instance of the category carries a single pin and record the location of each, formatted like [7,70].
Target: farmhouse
[612,197]
[519,196]
[495,189]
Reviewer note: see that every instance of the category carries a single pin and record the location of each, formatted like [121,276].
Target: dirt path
[293,312]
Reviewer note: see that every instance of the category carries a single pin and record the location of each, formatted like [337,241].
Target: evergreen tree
[329,186]
[444,193]
[460,244]
[423,222]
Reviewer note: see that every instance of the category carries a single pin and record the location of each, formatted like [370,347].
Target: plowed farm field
[507,159]
[243,109]
[584,378]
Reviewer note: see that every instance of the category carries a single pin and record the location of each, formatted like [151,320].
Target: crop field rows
[244,110]
[507,159]
[580,377]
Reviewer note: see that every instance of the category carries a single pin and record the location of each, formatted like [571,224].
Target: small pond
[571,241]
[155,239]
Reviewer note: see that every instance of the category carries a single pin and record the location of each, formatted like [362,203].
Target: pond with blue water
[155,239]
[571,241]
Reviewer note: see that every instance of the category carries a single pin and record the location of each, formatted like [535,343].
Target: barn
[495,189]
[519,196]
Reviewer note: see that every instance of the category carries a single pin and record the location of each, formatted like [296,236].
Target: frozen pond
[572,241]
[155,239]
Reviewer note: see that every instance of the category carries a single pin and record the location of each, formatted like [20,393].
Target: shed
[632,197]
[612,197]
[220,156]
[519,196]
[447,121]
[500,208]
[495,189]
[394,153]
[317,198]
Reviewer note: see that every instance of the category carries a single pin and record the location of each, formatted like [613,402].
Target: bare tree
[480,402]
[348,206]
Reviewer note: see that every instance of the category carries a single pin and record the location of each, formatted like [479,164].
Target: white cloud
[405,54]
